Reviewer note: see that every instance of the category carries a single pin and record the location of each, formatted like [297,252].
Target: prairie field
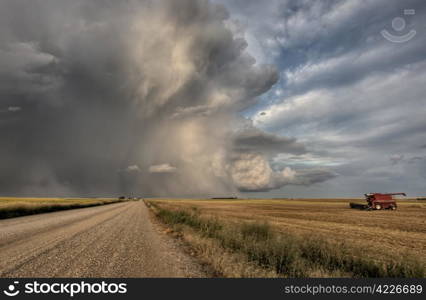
[383,243]
[15,207]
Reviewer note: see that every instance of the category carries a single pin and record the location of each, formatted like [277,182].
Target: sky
[198,98]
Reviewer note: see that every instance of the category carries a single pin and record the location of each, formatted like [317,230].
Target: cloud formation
[252,139]
[252,173]
[129,85]
[133,168]
[163,168]
[350,96]
[13,108]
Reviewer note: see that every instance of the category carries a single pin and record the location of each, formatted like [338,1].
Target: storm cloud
[209,98]
[154,88]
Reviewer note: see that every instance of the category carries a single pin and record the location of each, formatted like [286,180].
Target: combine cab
[378,201]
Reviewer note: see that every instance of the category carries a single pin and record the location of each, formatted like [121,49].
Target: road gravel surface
[115,240]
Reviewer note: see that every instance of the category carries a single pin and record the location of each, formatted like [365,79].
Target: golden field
[14,207]
[384,236]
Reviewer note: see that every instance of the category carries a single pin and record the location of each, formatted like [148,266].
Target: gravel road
[116,240]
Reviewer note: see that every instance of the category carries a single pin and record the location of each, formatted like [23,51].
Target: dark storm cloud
[254,140]
[130,97]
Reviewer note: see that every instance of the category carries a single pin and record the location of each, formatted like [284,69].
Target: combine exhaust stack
[377,201]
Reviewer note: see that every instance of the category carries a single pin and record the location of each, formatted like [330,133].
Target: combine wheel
[378,207]
[392,207]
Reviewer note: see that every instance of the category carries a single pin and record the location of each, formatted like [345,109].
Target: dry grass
[15,207]
[383,237]
[224,263]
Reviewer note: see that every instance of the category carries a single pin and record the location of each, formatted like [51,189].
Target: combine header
[378,201]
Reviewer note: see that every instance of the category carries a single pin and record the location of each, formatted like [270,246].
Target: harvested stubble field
[377,243]
[14,207]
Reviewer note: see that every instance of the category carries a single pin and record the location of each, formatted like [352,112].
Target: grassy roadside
[267,253]
[16,207]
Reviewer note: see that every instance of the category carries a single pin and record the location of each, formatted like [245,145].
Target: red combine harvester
[378,201]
